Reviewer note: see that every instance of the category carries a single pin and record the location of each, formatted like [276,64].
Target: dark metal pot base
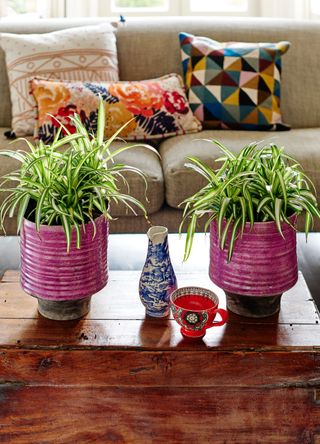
[253,306]
[64,310]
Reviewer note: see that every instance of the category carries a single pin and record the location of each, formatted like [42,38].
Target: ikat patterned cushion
[155,108]
[233,85]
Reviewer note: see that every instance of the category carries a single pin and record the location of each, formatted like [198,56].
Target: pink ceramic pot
[53,275]
[263,266]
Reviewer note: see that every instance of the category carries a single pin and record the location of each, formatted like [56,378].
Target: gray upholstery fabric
[149,163]
[181,182]
[167,216]
[139,157]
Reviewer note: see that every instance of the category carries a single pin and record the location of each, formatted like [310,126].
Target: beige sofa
[149,48]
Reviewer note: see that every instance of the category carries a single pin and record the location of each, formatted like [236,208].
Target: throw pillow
[85,53]
[233,85]
[155,108]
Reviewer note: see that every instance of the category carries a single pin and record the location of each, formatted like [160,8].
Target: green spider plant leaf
[70,181]
[67,230]
[15,202]
[223,209]
[107,144]
[233,238]
[243,213]
[5,208]
[39,208]
[277,214]
[283,189]
[262,183]
[263,202]
[223,237]
[78,233]
[223,148]
[201,168]
[17,155]
[189,237]
[22,210]
[101,122]
[67,139]
[249,206]
[308,224]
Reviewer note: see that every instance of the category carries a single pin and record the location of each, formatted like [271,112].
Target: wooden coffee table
[118,377]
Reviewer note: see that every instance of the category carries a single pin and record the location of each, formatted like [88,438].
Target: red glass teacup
[195,309]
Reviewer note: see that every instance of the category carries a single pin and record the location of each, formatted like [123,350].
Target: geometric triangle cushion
[233,85]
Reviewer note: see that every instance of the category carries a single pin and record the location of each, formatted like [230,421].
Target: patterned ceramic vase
[157,280]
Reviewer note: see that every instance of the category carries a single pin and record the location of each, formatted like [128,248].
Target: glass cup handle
[224,317]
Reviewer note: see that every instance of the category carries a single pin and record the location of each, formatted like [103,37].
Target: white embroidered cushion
[85,53]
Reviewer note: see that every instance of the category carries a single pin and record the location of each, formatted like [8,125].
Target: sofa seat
[152,195]
[182,182]
[140,157]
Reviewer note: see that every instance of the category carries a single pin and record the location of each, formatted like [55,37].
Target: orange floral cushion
[154,108]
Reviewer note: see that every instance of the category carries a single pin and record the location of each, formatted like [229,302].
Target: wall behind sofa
[294,9]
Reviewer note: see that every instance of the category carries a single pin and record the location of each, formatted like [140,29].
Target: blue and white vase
[157,280]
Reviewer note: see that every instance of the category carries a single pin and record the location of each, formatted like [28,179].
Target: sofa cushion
[88,53]
[139,157]
[233,85]
[156,108]
[143,43]
[150,164]
[181,182]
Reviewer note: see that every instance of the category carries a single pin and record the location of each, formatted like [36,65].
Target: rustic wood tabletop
[118,376]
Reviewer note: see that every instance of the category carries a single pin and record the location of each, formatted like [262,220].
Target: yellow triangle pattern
[269,70]
[235,66]
[269,81]
[201,65]
[253,83]
[275,104]
[233,99]
[266,112]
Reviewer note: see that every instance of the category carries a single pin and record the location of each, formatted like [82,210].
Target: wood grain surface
[117,319]
[158,415]
[119,377]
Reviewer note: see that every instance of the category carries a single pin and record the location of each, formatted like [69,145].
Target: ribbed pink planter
[63,282]
[263,266]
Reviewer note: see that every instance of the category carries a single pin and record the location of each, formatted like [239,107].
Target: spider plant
[258,184]
[71,187]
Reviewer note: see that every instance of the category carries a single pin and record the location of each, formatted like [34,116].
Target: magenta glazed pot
[63,282]
[263,266]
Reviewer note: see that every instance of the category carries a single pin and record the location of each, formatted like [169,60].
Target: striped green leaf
[277,214]
[223,209]
[66,223]
[233,237]
[224,235]
[22,210]
[101,122]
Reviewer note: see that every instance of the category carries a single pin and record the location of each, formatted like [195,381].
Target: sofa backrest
[149,48]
